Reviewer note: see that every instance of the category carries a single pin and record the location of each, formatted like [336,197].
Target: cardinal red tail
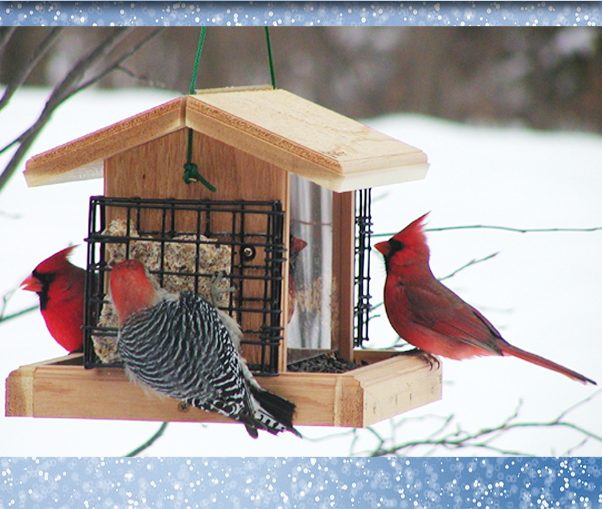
[508,349]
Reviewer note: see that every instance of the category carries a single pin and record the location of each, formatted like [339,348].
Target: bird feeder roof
[274,125]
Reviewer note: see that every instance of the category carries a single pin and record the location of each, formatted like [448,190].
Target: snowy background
[542,290]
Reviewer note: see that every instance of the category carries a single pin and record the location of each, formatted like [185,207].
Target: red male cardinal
[60,286]
[431,317]
[296,246]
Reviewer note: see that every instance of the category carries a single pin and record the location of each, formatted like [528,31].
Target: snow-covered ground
[542,290]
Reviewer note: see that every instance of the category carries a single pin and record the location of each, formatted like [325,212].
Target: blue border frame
[302,483]
[158,13]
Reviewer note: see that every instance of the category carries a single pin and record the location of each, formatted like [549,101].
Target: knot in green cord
[191,174]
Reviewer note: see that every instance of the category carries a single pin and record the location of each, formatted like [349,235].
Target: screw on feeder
[248,253]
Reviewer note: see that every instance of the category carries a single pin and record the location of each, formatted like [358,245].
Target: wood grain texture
[333,141]
[343,270]
[82,158]
[357,398]
[325,147]
[155,170]
[273,125]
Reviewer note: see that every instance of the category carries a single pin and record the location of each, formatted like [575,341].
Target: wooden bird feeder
[282,245]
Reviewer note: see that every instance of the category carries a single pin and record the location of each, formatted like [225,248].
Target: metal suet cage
[213,248]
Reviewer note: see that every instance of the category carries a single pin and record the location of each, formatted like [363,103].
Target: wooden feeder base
[388,386]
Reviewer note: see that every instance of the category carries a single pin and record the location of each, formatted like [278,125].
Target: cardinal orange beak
[383,247]
[31,284]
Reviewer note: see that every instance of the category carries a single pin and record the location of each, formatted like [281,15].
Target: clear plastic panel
[311,283]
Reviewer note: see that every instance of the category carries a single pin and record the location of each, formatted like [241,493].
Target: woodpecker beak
[383,247]
[31,284]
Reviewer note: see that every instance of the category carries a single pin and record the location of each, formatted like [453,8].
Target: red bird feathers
[431,317]
[60,287]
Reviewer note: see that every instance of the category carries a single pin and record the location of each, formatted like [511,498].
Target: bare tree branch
[503,228]
[145,80]
[142,447]
[515,230]
[116,63]
[5,299]
[472,262]
[17,314]
[21,76]
[5,35]
[67,87]
[483,438]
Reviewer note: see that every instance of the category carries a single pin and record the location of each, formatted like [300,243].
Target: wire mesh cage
[229,252]
[361,281]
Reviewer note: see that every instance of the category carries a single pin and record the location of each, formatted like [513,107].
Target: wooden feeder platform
[389,385]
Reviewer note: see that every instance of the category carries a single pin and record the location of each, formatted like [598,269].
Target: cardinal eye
[44,278]
[396,245]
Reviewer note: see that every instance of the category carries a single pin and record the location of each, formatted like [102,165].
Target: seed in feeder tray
[325,363]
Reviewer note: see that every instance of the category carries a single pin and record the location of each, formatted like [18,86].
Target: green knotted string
[191,170]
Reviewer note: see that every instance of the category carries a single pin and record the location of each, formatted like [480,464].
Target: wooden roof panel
[290,121]
[82,158]
[274,125]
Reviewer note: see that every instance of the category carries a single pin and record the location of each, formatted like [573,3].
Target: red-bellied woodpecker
[182,346]
[60,287]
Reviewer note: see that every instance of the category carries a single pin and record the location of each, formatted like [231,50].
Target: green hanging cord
[197,61]
[191,171]
[270,58]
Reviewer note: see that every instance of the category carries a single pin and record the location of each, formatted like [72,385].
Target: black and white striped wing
[181,348]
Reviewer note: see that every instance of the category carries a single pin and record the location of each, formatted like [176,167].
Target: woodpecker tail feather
[274,414]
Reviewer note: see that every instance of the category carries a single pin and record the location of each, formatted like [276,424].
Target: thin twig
[472,262]
[572,449]
[67,88]
[149,442]
[145,80]
[503,228]
[5,298]
[5,35]
[25,71]
[64,89]
[515,230]
[482,438]
[17,314]
[116,63]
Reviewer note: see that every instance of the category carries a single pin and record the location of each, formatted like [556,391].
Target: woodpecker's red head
[406,248]
[131,289]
